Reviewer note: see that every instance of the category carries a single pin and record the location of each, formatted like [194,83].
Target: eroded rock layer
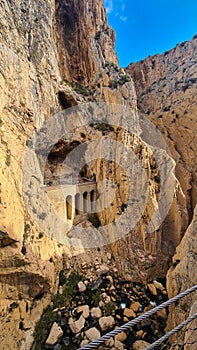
[56,55]
[166,87]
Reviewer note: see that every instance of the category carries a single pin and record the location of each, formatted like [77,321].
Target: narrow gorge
[97,180]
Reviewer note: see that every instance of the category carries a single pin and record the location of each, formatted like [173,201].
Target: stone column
[81,203]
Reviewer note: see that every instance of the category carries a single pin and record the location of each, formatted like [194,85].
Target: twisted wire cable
[128,325]
[173,331]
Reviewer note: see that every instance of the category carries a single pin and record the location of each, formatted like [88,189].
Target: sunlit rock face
[57,55]
[166,87]
[84,39]
[181,276]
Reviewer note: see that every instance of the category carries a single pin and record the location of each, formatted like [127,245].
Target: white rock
[60,290]
[96,312]
[81,287]
[152,288]
[110,279]
[109,342]
[109,256]
[119,345]
[84,265]
[67,267]
[101,304]
[83,343]
[92,334]
[129,313]
[106,322]
[106,298]
[102,270]
[76,326]
[121,336]
[55,334]
[140,345]
[135,306]
[158,285]
[85,309]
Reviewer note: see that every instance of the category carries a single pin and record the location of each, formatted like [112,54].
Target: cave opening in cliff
[55,167]
[65,101]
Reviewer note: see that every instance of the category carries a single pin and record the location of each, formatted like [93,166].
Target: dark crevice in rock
[6,240]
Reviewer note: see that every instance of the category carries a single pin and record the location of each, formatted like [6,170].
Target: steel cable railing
[128,325]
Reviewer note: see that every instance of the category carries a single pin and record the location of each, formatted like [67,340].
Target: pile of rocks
[105,304]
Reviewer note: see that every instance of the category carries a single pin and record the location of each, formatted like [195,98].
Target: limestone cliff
[183,275]
[55,55]
[84,40]
[166,87]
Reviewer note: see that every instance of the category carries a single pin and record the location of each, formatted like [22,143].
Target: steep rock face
[41,58]
[28,83]
[183,275]
[166,87]
[84,39]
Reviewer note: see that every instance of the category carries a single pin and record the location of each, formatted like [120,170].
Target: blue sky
[147,27]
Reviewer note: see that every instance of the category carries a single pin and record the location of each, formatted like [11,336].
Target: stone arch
[69,207]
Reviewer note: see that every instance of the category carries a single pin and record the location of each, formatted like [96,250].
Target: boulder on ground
[119,345]
[109,342]
[106,322]
[140,345]
[93,334]
[102,270]
[158,285]
[85,310]
[129,313]
[121,336]
[96,312]
[55,334]
[135,306]
[152,289]
[76,326]
[81,287]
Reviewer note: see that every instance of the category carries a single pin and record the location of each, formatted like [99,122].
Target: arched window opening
[85,202]
[69,207]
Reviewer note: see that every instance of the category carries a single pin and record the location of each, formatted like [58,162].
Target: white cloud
[122,4]
[109,6]
[123,18]
[123,7]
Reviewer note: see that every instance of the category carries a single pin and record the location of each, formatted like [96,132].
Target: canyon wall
[166,88]
[55,55]
[181,276]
